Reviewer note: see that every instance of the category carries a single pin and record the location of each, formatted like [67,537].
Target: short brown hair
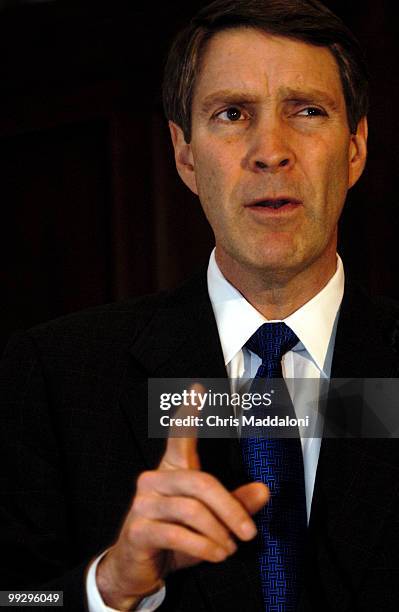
[305,20]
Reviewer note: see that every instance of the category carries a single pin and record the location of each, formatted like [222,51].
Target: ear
[183,157]
[358,151]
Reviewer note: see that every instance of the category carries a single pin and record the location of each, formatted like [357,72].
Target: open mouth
[273,203]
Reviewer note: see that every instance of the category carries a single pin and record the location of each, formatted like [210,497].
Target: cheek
[208,182]
[327,183]
[209,190]
[331,172]
[216,163]
[214,178]
[338,177]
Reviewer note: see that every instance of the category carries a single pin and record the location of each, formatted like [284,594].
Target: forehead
[255,61]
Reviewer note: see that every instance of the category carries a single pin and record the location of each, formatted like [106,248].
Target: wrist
[116,594]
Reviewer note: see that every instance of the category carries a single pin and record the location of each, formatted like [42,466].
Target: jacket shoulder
[112,326]
[108,325]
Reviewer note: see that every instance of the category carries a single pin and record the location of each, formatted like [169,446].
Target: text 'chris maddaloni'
[241,404]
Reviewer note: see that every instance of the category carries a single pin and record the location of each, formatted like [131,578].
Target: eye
[312,111]
[231,114]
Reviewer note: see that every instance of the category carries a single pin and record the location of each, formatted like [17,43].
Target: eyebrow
[301,95]
[228,96]
[310,95]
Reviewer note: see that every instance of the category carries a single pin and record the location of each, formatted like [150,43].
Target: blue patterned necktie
[278,462]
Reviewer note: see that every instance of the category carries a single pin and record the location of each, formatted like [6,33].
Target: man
[267,106]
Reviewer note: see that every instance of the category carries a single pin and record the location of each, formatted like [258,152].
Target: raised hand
[179,517]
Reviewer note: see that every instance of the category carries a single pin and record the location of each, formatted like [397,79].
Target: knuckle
[205,481]
[190,508]
[145,480]
[141,504]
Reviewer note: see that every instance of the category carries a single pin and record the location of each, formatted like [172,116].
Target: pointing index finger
[181,452]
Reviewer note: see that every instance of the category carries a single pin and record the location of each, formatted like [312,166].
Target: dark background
[92,209]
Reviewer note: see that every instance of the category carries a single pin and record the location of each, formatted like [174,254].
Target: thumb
[253,496]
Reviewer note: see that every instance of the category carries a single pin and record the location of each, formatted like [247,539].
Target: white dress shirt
[315,326]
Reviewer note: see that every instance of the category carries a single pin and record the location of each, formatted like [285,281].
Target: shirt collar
[237,319]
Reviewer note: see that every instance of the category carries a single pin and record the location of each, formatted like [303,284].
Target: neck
[277,294]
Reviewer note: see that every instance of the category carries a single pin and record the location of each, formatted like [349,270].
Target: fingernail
[248,530]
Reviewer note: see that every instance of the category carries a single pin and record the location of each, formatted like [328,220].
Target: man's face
[271,155]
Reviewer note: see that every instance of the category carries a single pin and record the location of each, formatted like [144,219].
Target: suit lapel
[357,479]
[181,341]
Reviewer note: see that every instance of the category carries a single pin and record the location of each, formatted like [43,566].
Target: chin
[277,259]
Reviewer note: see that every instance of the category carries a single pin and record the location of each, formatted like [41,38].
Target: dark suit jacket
[74,438]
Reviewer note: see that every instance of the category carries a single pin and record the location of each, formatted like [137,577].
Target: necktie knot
[270,342]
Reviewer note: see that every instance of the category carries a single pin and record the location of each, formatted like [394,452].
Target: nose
[270,148]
